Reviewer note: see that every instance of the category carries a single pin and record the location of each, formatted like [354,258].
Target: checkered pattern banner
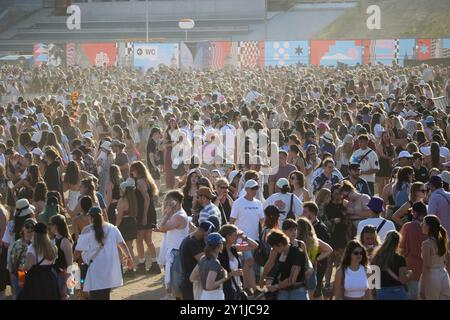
[249,54]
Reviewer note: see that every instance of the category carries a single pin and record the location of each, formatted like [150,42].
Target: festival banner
[332,53]
[40,54]
[284,53]
[152,55]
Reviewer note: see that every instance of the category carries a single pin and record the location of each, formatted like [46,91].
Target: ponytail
[442,241]
[96,215]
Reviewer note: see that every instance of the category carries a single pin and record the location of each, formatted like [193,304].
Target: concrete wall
[173,10]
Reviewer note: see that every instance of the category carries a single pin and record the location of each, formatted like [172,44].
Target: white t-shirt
[8,236]
[104,272]
[388,226]
[45,262]
[283,202]
[378,130]
[248,214]
[370,162]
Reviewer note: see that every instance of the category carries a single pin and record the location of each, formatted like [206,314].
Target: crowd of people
[349,199]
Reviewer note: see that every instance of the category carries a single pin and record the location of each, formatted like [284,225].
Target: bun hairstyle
[438,232]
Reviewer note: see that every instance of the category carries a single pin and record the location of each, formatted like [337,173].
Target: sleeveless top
[174,237]
[355,283]
[60,262]
[116,192]
[400,196]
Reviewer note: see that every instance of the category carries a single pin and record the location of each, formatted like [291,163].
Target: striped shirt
[210,210]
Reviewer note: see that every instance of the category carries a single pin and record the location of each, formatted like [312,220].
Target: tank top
[60,262]
[400,196]
[116,193]
[355,283]
[174,237]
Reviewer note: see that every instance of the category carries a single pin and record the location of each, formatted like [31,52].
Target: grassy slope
[399,19]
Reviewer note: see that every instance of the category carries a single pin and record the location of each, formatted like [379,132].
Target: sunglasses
[224,187]
[255,188]
[358,253]
[423,190]
[29,227]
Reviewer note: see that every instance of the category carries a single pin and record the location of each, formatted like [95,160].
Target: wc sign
[147,52]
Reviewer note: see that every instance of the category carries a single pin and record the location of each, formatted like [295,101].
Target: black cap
[354,165]
[40,228]
[419,207]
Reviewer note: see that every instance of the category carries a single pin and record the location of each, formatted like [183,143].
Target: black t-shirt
[421,174]
[386,280]
[151,148]
[322,232]
[295,257]
[189,248]
[361,186]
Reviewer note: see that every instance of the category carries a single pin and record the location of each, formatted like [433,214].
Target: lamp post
[186,24]
[146,19]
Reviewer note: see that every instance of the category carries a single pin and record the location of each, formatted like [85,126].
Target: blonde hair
[321,195]
[306,233]
[221,182]
[44,247]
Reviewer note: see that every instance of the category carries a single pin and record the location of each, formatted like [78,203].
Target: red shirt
[410,247]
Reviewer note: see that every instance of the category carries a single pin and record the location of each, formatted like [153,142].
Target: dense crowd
[349,199]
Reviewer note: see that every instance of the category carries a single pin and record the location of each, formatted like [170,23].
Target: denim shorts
[295,294]
[311,283]
[392,293]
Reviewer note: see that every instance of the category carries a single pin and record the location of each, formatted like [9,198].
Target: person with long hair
[370,240]
[434,283]
[223,201]
[351,280]
[292,263]
[410,246]
[32,178]
[104,162]
[211,274]
[434,159]
[386,152]
[71,185]
[98,245]
[87,188]
[127,210]
[168,141]
[40,197]
[40,280]
[146,191]
[230,260]
[63,241]
[417,193]
[394,274]
[343,154]
[400,191]
[297,186]
[154,150]
[318,252]
[113,192]
[190,190]
[52,208]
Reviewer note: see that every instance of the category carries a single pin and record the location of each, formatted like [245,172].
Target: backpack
[262,253]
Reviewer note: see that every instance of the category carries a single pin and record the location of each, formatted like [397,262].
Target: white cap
[404,154]
[328,137]
[422,82]
[250,184]
[36,152]
[282,182]
[106,145]
[129,183]
[232,175]
[88,135]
